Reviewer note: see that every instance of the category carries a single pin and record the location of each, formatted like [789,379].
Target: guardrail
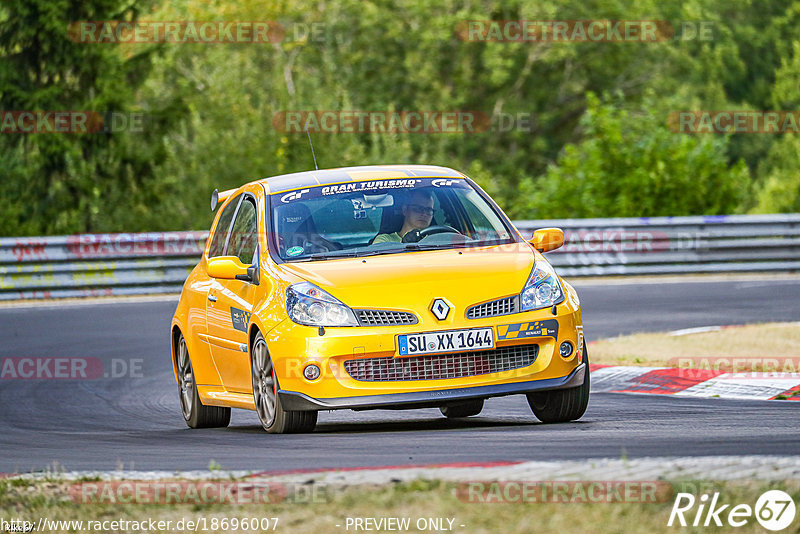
[147,263]
[91,265]
[674,245]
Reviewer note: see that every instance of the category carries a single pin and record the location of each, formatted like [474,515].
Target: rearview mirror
[546,239]
[229,268]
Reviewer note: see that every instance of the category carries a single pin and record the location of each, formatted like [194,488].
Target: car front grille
[385,317]
[441,366]
[493,308]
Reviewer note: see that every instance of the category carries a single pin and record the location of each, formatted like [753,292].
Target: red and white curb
[769,468]
[695,382]
[708,467]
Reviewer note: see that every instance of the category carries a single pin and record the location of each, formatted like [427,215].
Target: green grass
[418,499]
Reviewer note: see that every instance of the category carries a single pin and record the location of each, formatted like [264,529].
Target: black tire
[562,405]
[273,417]
[195,413]
[462,409]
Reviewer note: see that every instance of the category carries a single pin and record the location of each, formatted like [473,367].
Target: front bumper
[292,400]
[292,347]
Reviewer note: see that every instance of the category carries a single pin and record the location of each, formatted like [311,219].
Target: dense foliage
[594,140]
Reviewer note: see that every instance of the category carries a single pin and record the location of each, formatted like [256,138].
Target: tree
[72,182]
[211,106]
[778,186]
[630,164]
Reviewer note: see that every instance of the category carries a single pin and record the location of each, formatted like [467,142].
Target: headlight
[309,305]
[542,289]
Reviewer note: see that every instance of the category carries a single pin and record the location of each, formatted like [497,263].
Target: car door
[197,292]
[230,303]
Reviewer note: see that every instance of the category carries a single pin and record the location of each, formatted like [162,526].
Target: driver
[417,213]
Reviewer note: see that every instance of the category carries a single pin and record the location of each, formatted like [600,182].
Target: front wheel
[274,418]
[562,405]
[195,413]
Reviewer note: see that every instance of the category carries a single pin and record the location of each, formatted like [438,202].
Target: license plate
[448,341]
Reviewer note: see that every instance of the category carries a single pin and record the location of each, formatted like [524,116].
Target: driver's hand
[412,236]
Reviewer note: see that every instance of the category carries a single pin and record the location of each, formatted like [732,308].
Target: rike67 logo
[774,510]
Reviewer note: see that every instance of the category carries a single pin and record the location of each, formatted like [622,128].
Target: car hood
[411,280]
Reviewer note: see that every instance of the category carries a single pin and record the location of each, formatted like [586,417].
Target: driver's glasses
[421,210]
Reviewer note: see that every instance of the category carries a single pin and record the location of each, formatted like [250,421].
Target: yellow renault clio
[373,287]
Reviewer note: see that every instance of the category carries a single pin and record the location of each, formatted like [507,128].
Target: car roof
[288,182]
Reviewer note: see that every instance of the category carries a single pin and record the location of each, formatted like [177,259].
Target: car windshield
[382,217]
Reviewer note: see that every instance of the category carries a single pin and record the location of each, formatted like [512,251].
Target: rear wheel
[195,413]
[562,405]
[462,409]
[274,418]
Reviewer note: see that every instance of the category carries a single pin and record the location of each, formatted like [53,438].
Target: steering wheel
[418,235]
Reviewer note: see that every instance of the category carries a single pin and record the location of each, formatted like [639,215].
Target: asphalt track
[135,423]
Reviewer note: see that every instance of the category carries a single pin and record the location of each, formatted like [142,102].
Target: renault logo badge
[440,309]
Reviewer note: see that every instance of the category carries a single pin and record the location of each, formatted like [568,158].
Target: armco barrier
[674,245]
[97,264]
[127,264]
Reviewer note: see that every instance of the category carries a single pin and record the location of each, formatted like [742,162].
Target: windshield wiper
[317,256]
[440,246]
[354,254]
[334,254]
[321,256]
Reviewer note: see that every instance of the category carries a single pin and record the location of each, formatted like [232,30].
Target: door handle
[212,298]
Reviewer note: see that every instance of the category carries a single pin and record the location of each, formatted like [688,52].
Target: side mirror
[230,268]
[546,239]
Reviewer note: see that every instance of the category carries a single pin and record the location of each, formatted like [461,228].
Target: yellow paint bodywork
[406,281]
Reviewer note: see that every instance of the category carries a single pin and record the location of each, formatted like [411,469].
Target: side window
[217,247]
[243,236]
